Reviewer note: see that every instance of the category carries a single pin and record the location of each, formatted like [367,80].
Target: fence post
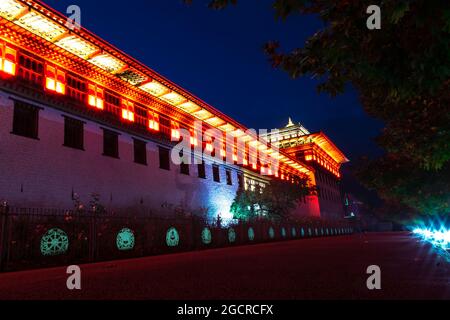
[4,210]
[93,236]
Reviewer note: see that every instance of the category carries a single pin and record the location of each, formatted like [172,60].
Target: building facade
[320,153]
[79,117]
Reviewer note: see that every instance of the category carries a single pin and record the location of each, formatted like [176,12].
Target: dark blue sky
[217,55]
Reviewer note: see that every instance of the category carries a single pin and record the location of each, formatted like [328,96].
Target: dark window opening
[201,170]
[216,173]
[140,152]
[110,144]
[229,179]
[73,133]
[241,180]
[164,158]
[184,168]
[25,120]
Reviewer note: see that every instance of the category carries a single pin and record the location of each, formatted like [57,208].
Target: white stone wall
[42,173]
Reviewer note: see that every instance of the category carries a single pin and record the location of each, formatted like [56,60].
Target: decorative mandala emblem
[271,233]
[125,240]
[231,235]
[172,238]
[55,242]
[206,236]
[294,232]
[251,234]
[283,232]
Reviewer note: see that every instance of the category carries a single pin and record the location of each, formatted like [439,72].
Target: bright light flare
[439,238]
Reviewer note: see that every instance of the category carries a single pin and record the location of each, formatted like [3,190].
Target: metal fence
[39,238]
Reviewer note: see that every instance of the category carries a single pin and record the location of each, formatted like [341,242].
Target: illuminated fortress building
[78,116]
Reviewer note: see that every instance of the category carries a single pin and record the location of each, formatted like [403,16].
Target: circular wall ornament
[125,240]
[231,235]
[294,232]
[251,234]
[54,242]
[172,238]
[283,232]
[271,233]
[206,236]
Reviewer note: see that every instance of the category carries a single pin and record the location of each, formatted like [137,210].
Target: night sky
[217,55]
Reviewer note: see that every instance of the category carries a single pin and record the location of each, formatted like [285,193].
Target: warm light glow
[77,46]
[189,107]
[127,110]
[215,121]
[95,97]
[41,26]
[9,9]
[155,88]
[173,98]
[107,62]
[203,114]
[127,115]
[8,60]
[153,123]
[175,131]
[238,133]
[209,147]
[227,127]
[55,80]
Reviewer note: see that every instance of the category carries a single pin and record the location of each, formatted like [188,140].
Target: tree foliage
[276,200]
[402,75]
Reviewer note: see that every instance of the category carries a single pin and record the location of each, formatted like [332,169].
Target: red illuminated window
[153,122]
[223,151]
[8,60]
[96,97]
[194,140]
[209,145]
[127,110]
[175,131]
[55,79]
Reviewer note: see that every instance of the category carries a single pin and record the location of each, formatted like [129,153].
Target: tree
[245,205]
[281,197]
[276,200]
[402,75]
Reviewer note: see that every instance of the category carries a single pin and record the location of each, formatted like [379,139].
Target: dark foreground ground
[326,268]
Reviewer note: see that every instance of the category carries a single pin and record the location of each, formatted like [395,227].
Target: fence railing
[38,238]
